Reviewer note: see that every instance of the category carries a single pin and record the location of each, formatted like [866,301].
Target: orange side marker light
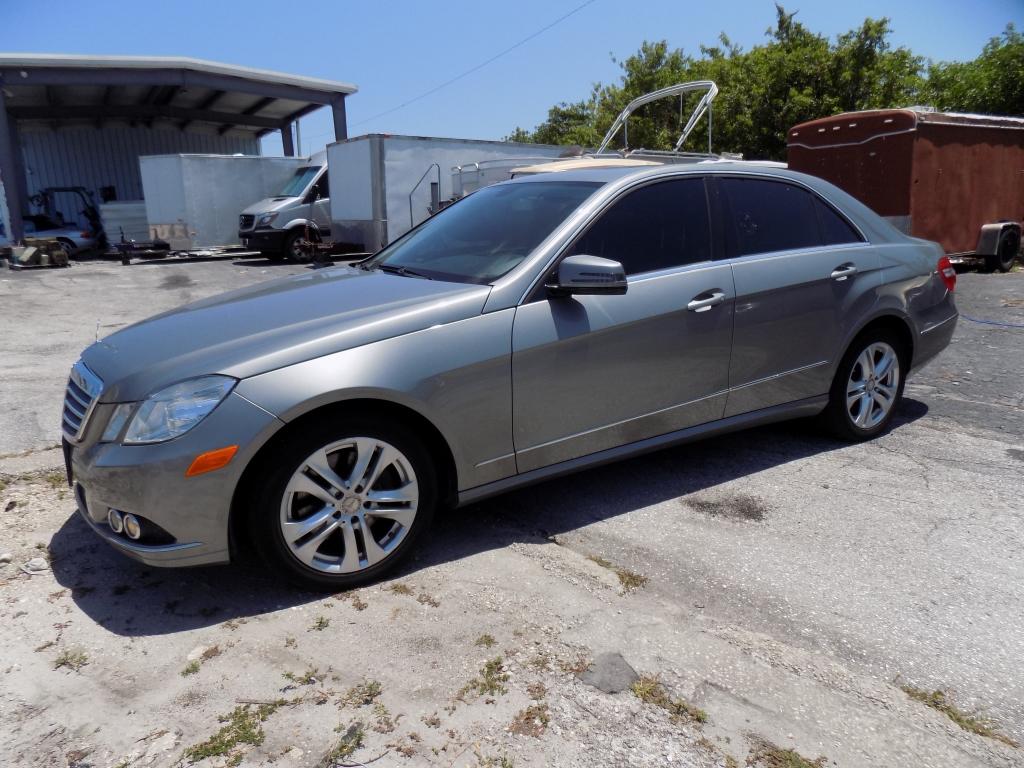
[211,460]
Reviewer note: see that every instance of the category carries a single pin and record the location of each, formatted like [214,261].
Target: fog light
[115,520]
[132,529]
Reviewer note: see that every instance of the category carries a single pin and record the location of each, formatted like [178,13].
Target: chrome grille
[84,388]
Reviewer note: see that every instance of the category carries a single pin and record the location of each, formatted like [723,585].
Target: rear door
[802,271]
[594,372]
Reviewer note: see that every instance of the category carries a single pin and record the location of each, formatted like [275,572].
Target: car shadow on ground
[132,599]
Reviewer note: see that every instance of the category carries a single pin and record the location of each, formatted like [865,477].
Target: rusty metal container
[940,176]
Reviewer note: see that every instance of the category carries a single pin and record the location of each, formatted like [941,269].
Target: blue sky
[396,50]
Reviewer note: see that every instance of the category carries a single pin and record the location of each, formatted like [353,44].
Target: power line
[481,65]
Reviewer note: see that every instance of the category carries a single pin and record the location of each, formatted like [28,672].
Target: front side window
[763,216]
[486,234]
[658,226]
[320,191]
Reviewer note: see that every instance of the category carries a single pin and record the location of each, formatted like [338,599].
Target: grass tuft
[764,754]
[73,660]
[490,681]
[320,624]
[309,677]
[351,740]
[532,721]
[939,700]
[485,641]
[650,691]
[362,695]
[630,581]
[242,726]
[191,668]
[400,589]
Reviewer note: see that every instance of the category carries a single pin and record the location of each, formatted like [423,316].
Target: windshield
[485,235]
[300,181]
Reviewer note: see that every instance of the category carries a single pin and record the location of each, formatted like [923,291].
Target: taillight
[947,273]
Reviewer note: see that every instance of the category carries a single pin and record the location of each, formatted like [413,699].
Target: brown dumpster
[954,178]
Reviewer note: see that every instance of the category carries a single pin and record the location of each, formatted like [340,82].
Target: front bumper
[270,240]
[149,481]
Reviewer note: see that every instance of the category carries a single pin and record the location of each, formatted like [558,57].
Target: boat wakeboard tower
[679,89]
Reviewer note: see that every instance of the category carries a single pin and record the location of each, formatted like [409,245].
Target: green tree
[796,75]
[993,83]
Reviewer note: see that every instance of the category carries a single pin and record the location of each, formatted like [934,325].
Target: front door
[594,372]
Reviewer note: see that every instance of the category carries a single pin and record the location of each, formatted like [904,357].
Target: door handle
[843,271]
[702,302]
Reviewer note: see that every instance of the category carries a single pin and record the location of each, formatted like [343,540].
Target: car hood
[274,324]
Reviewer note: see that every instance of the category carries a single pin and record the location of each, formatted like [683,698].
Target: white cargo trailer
[383,185]
[193,201]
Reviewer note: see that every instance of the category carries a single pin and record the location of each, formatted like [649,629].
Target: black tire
[267,500]
[293,248]
[1006,253]
[837,415]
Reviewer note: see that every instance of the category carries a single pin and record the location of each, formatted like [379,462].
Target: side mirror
[588,275]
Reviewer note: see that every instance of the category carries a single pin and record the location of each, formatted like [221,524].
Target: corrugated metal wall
[109,156]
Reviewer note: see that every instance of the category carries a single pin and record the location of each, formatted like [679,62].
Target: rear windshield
[300,181]
[487,234]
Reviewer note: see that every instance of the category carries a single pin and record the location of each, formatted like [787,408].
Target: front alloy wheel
[343,504]
[349,505]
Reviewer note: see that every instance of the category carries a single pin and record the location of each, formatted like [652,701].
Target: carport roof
[63,89]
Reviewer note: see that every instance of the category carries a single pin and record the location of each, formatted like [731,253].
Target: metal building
[84,121]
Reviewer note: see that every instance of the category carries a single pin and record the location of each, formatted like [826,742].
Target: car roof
[610,173]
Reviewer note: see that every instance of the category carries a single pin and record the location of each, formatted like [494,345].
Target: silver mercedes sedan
[534,328]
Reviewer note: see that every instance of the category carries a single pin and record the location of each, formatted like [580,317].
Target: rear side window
[764,216]
[835,230]
[655,227]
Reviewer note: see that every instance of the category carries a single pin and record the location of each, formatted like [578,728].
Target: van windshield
[486,234]
[300,181]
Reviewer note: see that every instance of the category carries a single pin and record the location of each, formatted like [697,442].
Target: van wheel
[1006,252]
[867,387]
[345,503]
[295,247]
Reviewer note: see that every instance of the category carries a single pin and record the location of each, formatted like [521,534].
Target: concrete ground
[793,592]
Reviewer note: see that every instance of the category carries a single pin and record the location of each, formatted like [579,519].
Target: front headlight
[177,409]
[265,219]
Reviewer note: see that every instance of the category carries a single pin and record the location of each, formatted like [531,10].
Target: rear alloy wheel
[867,388]
[349,510]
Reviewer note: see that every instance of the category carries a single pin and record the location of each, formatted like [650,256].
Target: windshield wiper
[403,271]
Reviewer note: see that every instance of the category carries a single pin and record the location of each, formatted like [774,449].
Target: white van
[277,225]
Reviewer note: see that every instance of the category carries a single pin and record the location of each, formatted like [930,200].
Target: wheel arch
[992,234]
[893,322]
[434,441]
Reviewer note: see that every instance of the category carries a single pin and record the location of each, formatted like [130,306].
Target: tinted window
[835,230]
[765,216]
[657,226]
[486,234]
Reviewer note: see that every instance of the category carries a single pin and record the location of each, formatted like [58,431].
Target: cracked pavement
[794,584]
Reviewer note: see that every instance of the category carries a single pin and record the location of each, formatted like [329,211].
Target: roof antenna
[97,329]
